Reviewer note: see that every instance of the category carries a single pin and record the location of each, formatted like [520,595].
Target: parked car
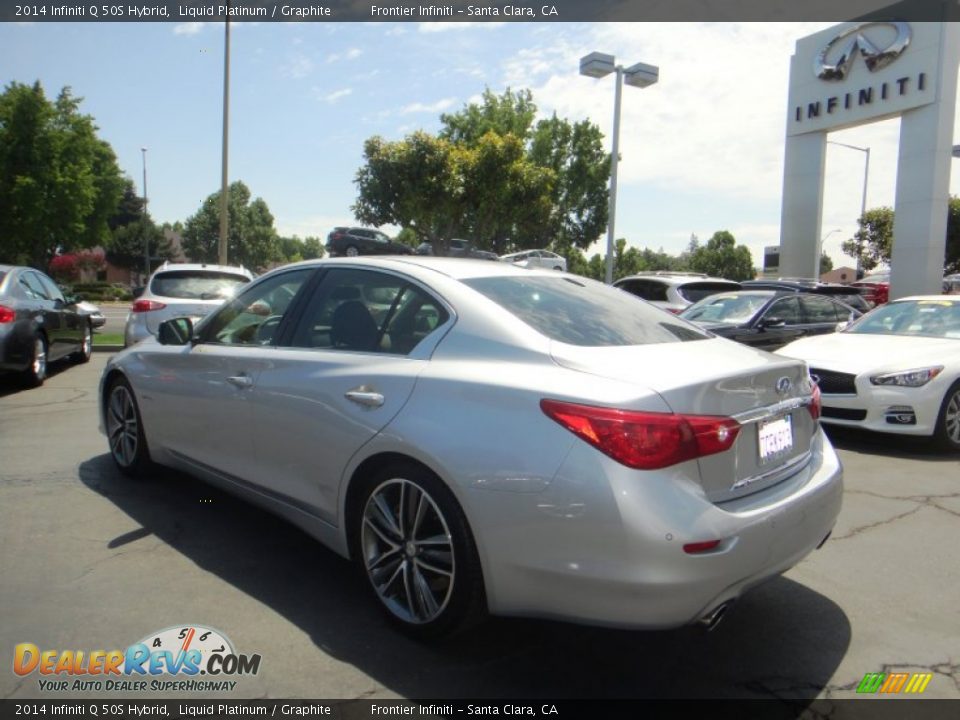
[768,319]
[459,248]
[874,288]
[951,284]
[94,315]
[38,324]
[674,291]
[181,290]
[354,241]
[847,294]
[497,439]
[537,259]
[895,370]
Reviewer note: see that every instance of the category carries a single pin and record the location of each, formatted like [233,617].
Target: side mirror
[178,331]
[772,322]
[71,299]
[841,326]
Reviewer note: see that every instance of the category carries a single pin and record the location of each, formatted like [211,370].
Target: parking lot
[91,560]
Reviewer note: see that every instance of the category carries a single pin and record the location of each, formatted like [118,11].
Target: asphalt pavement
[91,560]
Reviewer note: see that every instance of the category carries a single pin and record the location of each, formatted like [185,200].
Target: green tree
[873,242]
[130,229]
[951,261]
[312,248]
[293,249]
[252,240]
[490,176]
[59,183]
[721,257]
[826,263]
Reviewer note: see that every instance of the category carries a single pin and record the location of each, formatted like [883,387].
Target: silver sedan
[483,438]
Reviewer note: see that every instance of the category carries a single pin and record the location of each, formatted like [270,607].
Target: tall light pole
[863,201]
[146,234]
[224,186]
[598,65]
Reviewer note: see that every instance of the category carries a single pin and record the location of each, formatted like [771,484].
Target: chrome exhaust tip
[710,621]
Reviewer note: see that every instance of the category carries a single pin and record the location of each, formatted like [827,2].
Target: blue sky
[702,150]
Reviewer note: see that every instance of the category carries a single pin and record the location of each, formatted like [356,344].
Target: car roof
[929,298]
[669,278]
[424,265]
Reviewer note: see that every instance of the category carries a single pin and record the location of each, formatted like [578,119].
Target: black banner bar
[475,10]
[867,708]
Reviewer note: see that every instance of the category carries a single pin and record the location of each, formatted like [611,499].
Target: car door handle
[241,381]
[364,396]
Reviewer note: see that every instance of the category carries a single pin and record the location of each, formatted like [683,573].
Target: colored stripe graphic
[871,683]
[895,682]
[918,683]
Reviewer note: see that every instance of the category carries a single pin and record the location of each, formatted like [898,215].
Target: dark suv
[353,241]
[844,293]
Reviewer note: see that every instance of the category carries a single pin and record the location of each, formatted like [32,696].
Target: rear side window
[196,285]
[699,290]
[583,313]
[650,290]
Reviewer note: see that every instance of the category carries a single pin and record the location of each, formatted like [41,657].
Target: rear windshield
[196,284]
[699,290]
[584,313]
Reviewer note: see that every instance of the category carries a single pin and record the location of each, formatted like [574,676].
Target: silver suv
[181,290]
[674,291]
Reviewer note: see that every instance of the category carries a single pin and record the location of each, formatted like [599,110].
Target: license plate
[775,438]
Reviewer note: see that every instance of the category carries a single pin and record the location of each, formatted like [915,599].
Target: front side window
[583,313]
[50,287]
[368,311]
[254,317]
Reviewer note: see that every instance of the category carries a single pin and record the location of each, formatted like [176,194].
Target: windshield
[196,284]
[734,308]
[926,318]
[583,312]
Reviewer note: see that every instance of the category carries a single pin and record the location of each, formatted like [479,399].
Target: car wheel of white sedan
[948,423]
[418,553]
[86,347]
[128,445]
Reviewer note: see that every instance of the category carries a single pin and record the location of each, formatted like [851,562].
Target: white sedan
[537,259]
[897,369]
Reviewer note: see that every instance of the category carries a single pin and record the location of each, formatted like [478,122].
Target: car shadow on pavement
[888,444]
[12,383]
[781,641]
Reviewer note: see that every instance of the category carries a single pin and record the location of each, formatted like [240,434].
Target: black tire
[947,434]
[36,373]
[421,565]
[86,348]
[125,437]
[351,251]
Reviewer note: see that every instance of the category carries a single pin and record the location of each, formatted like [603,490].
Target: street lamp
[863,201]
[598,65]
[146,234]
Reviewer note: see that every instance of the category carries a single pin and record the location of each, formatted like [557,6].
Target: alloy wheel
[122,426]
[951,418]
[352,252]
[39,365]
[408,551]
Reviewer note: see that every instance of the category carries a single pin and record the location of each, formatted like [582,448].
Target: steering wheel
[266,330]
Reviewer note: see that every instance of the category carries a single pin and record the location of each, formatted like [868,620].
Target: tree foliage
[873,241]
[295,249]
[252,240]
[59,183]
[491,176]
[722,257]
[131,229]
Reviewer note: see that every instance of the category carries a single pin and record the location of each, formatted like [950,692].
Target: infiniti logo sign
[857,39]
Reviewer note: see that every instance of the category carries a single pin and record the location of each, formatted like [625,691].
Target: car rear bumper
[605,545]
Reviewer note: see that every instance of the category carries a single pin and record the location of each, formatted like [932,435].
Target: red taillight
[147,306]
[645,440]
[700,547]
[7,314]
[815,402]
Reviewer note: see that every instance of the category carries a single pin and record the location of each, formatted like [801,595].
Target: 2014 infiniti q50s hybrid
[483,438]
